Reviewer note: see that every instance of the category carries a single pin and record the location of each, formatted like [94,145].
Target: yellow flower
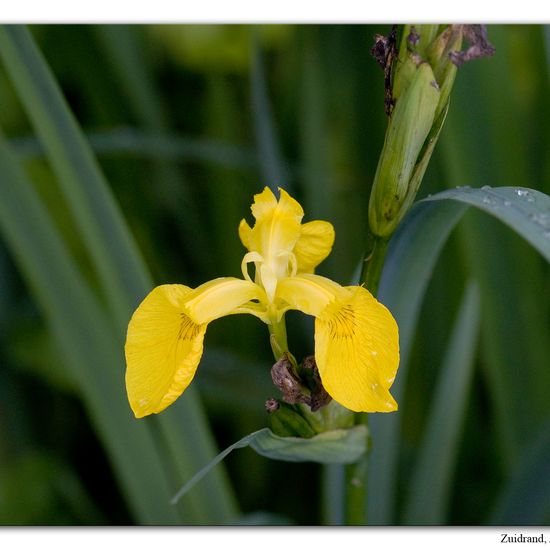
[356,337]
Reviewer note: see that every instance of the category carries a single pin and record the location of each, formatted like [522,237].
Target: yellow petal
[163,349]
[276,230]
[357,352]
[220,297]
[309,293]
[245,234]
[314,245]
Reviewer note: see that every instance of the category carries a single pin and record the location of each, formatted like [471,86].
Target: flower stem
[357,474]
[374,261]
[278,339]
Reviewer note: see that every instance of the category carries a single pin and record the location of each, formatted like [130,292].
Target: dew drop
[375,353]
[489,201]
[525,194]
[507,203]
[486,188]
[540,218]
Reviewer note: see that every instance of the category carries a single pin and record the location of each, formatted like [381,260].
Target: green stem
[278,339]
[374,261]
[357,474]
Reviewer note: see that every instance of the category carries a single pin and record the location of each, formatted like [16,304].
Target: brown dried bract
[287,382]
[385,52]
[476,35]
[319,396]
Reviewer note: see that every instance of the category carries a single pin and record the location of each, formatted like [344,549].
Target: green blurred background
[187,123]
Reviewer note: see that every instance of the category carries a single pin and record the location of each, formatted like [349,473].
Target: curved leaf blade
[526,211]
[412,254]
[525,499]
[431,479]
[332,447]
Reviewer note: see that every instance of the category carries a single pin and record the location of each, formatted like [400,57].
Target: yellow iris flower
[356,337]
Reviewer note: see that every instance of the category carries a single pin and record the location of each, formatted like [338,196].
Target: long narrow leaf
[273,170]
[413,252]
[115,255]
[152,145]
[124,277]
[525,498]
[84,335]
[411,258]
[432,476]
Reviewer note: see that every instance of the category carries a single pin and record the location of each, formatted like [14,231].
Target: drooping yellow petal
[309,293]
[357,352]
[356,340]
[163,349]
[220,297]
[165,337]
[314,245]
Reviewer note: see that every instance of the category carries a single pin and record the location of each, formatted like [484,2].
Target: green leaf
[431,479]
[84,335]
[116,258]
[525,498]
[411,257]
[125,281]
[526,211]
[332,447]
[273,170]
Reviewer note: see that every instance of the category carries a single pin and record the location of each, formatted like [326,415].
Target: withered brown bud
[319,396]
[287,382]
[271,405]
[413,37]
[476,35]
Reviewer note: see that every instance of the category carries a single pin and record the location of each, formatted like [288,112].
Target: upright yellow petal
[314,245]
[357,352]
[245,234]
[276,230]
[163,349]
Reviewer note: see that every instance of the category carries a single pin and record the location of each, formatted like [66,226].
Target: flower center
[269,271]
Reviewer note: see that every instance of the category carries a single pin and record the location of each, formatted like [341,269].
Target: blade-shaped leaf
[84,335]
[433,472]
[273,170]
[526,211]
[125,279]
[411,258]
[525,499]
[332,447]
[115,255]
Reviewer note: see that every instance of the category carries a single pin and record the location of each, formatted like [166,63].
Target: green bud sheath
[409,127]
[444,69]
[286,422]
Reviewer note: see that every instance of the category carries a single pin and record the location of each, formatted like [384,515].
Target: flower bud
[410,123]
[423,76]
[283,420]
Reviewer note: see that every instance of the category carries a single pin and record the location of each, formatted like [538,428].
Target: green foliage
[128,160]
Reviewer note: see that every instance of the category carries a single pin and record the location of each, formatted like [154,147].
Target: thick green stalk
[374,261]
